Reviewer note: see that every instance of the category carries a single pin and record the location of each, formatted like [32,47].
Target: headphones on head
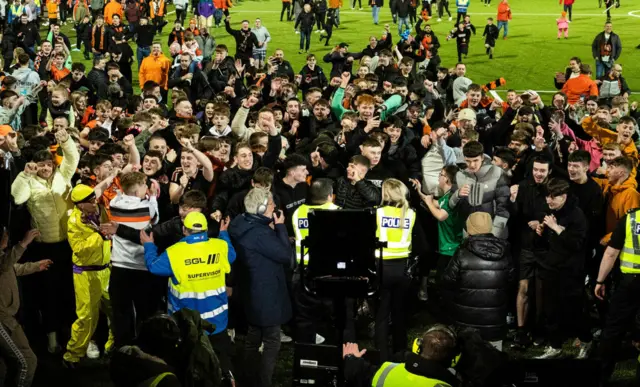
[417,346]
[262,208]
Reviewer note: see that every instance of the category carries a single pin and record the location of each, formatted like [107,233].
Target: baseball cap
[467,114]
[195,221]
[82,193]
[5,129]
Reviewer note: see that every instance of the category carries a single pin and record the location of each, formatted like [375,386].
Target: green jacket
[391,104]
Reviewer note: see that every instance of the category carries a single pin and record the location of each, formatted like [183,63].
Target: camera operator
[427,365]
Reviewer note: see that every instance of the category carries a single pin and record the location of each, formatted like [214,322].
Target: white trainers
[550,353]
[93,352]
[52,342]
[232,334]
[284,338]
[585,350]
[450,18]
[439,19]
[319,339]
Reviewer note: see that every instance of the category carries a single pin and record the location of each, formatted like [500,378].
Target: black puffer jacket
[478,278]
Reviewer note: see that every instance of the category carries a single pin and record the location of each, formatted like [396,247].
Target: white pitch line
[366,12]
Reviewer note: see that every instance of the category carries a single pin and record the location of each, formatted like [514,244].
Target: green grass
[528,59]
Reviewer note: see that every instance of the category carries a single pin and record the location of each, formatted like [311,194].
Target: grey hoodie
[27,79]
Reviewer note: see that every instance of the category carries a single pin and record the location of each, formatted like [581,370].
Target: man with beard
[572,71]
[283,69]
[191,79]
[528,208]
[155,68]
[620,193]
[245,40]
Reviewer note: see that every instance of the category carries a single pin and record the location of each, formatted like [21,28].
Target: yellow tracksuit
[91,256]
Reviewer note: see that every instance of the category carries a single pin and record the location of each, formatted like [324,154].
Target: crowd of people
[192,191]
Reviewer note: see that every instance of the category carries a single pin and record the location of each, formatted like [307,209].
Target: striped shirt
[136,213]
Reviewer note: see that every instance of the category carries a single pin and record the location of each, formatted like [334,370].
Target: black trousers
[624,306]
[260,366]
[286,6]
[308,311]
[221,343]
[48,296]
[563,304]
[391,309]
[462,50]
[443,5]
[320,17]
[135,296]
[180,15]
[461,16]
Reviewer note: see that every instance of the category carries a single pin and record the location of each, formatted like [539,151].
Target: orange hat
[5,129]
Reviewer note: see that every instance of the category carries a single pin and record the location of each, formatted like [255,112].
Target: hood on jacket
[627,184]
[486,246]
[242,225]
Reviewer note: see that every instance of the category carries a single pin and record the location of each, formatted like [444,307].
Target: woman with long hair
[395,226]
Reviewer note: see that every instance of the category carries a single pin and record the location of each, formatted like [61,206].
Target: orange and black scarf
[93,38]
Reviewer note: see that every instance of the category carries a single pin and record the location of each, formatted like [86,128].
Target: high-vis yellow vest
[395,375]
[199,268]
[630,254]
[396,231]
[300,222]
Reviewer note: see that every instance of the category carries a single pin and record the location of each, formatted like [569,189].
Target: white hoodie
[27,79]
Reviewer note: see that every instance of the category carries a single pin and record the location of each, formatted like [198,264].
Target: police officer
[309,308]
[197,266]
[428,365]
[625,303]
[395,226]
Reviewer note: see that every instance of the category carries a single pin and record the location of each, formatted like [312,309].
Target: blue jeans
[375,12]
[403,21]
[504,24]
[141,53]
[602,67]
[305,37]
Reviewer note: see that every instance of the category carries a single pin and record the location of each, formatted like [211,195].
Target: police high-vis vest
[396,375]
[630,254]
[396,231]
[199,265]
[300,222]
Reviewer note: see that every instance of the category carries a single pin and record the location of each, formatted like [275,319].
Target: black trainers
[521,341]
